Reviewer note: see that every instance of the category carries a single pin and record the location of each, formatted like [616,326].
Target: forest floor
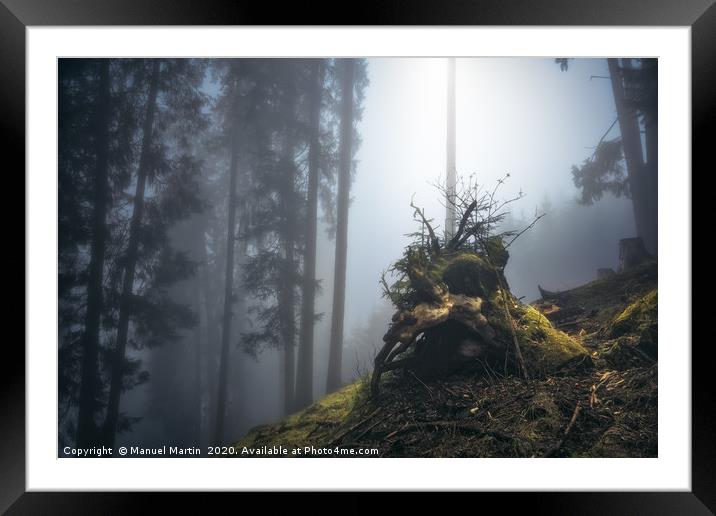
[602,406]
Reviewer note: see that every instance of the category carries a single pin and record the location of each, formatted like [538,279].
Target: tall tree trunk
[652,188]
[86,429]
[451,172]
[199,340]
[208,355]
[228,278]
[198,384]
[304,384]
[651,127]
[335,358]
[631,141]
[286,289]
[237,393]
[125,303]
[288,327]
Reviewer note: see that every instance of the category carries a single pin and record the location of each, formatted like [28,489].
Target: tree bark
[125,303]
[335,358]
[228,276]
[304,384]
[631,141]
[86,429]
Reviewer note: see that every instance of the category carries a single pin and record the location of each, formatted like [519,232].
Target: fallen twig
[575,414]
[359,423]
[424,385]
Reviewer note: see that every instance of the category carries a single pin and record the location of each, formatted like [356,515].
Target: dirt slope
[606,404]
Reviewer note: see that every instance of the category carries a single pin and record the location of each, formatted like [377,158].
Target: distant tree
[102,113]
[272,273]
[635,96]
[131,260]
[304,375]
[353,82]
[89,388]
[172,113]
[233,79]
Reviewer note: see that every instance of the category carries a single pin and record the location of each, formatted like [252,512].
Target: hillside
[602,403]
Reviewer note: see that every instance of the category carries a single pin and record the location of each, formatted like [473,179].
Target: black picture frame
[700,15]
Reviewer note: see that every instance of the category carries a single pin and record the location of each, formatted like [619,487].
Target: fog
[523,117]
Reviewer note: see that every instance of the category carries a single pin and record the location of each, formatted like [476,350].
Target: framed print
[433,239]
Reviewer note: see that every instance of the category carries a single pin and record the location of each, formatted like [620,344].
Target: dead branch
[463,221]
[387,293]
[340,436]
[430,392]
[434,242]
[552,452]
[467,428]
[524,230]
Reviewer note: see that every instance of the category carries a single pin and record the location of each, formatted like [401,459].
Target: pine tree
[229,267]
[89,391]
[304,375]
[335,359]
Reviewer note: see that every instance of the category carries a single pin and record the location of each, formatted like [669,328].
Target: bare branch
[435,243]
[524,230]
[465,217]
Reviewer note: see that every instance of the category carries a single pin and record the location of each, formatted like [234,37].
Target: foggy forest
[438,257]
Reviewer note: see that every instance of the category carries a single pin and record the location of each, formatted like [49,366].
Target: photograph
[357,257]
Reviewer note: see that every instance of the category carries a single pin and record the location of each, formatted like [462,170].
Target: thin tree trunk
[199,335]
[125,303]
[288,328]
[208,358]
[286,289]
[652,188]
[335,358]
[304,384]
[235,384]
[86,429]
[229,281]
[451,172]
[652,171]
[631,141]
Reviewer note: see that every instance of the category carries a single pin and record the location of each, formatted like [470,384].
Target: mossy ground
[493,414]
[639,318]
[314,425]
[545,348]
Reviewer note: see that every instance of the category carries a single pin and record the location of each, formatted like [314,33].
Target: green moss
[469,274]
[640,313]
[545,349]
[314,425]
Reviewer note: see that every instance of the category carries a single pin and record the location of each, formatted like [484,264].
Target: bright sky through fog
[518,115]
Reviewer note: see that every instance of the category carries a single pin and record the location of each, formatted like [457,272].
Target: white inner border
[672,469]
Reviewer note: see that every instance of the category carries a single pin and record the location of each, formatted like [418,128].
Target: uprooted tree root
[458,311]
[600,404]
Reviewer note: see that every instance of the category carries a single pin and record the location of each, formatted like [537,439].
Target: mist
[524,121]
